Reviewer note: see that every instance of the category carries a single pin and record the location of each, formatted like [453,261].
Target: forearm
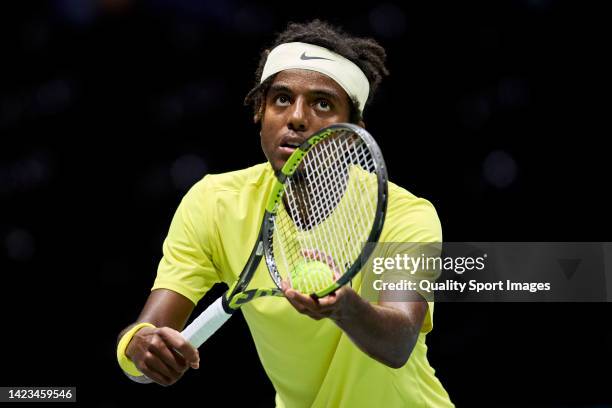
[386,332]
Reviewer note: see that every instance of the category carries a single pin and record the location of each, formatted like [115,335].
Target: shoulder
[231,182]
[410,218]
[200,208]
[227,196]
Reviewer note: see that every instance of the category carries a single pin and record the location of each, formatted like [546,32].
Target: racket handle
[206,324]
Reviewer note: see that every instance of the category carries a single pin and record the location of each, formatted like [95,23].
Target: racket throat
[225,303]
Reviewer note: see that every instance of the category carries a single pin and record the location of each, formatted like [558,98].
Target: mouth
[289,143]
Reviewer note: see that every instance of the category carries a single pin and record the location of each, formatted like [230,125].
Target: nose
[298,115]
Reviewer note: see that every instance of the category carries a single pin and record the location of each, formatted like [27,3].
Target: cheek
[266,141]
[268,130]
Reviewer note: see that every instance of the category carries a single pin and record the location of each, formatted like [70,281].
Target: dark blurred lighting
[489,39]
[187,36]
[11,110]
[513,93]
[198,97]
[35,35]
[186,170]
[19,245]
[116,6]
[24,175]
[156,181]
[388,20]
[253,19]
[50,98]
[219,10]
[474,111]
[540,5]
[170,110]
[499,169]
[76,12]
[111,269]
[193,99]
[53,97]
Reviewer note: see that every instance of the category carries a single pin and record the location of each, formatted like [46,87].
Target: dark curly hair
[366,53]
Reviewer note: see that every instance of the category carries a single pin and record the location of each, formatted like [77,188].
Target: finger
[158,378]
[326,305]
[328,301]
[284,285]
[149,368]
[296,297]
[154,363]
[310,311]
[307,312]
[296,305]
[176,341]
[316,255]
[172,359]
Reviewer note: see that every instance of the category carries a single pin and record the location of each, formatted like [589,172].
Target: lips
[293,145]
[289,143]
[291,140]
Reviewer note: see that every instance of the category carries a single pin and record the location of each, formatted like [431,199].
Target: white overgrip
[206,324]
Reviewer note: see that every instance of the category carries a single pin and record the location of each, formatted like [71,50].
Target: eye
[323,105]
[282,100]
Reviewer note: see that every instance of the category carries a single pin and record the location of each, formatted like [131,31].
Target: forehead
[303,80]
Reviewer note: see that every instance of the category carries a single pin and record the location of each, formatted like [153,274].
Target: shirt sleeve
[416,222]
[187,266]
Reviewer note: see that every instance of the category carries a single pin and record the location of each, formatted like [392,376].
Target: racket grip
[206,324]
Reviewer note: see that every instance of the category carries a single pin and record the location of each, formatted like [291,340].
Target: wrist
[126,364]
[351,307]
[132,345]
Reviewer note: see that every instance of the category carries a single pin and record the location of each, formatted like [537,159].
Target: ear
[258,117]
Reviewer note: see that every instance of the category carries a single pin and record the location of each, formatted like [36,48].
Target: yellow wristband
[124,362]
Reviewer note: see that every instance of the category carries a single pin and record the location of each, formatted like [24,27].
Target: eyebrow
[321,92]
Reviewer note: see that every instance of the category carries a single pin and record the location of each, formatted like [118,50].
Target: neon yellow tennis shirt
[310,363]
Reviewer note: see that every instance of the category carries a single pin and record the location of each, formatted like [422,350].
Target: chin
[277,164]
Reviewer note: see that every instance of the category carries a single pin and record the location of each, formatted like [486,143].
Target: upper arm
[166,308]
[188,263]
[411,224]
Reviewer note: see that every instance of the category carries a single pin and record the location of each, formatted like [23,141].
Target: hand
[162,354]
[333,306]
[336,305]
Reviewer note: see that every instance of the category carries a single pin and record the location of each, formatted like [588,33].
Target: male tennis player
[341,350]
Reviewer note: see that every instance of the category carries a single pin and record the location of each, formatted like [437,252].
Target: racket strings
[334,232]
[335,184]
[329,208]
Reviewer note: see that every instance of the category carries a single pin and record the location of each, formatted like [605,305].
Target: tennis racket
[329,200]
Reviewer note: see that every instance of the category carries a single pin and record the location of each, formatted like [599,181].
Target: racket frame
[278,191]
[237,295]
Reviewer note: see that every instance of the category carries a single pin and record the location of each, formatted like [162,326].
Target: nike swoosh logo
[305,57]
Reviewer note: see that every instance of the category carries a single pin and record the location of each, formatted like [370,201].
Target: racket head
[328,202]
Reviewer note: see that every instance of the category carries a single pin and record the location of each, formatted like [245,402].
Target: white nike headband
[297,55]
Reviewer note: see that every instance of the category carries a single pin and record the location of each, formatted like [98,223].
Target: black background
[111,109]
